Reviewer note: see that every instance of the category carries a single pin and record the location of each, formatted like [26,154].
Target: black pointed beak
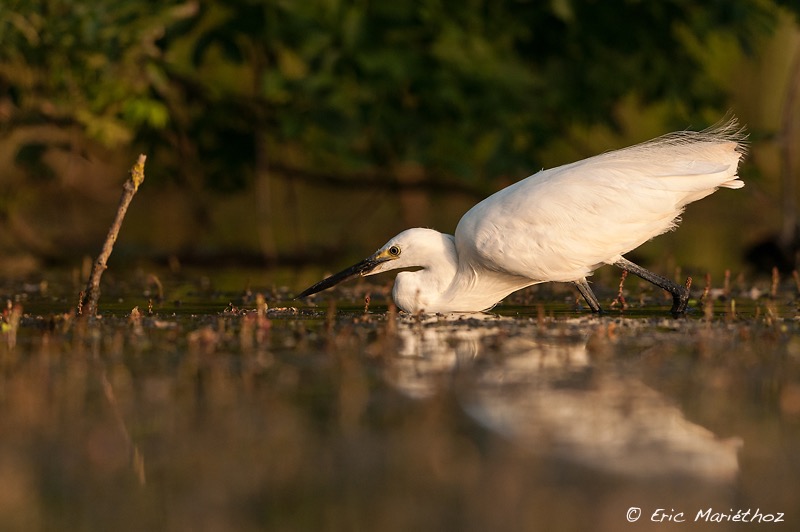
[362,268]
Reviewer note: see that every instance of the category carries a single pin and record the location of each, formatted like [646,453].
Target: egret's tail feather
[727,137]
[733,183]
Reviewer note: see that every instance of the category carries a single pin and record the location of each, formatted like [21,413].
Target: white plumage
[559,225]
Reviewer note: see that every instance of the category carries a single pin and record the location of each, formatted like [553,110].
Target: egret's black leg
[583,287]
[680,294]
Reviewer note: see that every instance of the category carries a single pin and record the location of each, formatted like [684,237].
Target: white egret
[559,225]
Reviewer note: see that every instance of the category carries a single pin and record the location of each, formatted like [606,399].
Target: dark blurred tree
[71,71]
[227,94]
[374,91]
[471,89]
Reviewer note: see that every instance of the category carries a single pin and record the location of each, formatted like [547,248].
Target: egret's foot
[680,302]
[583,287]
[680,298]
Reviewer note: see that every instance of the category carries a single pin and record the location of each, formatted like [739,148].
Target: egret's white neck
[449,283]
[422,290]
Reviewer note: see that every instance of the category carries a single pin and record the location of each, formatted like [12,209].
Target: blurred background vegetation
[284,133]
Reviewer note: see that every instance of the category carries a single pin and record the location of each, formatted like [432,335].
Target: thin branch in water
[91,295]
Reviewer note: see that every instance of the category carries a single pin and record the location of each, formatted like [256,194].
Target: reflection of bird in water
[547,395]
[559,225]
[432,348]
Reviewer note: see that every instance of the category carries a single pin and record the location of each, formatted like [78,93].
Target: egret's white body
[558,224]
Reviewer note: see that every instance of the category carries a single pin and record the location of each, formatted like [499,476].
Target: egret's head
[407,250]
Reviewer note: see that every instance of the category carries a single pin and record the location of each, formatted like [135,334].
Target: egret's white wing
[560,224]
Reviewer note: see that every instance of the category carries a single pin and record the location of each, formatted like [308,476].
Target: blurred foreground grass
[206,413]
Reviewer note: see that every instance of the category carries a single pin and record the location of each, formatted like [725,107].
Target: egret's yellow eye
[394,251]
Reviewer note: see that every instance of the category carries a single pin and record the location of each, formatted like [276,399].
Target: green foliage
[470,89]
[88,63]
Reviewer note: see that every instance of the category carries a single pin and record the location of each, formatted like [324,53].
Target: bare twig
[776,282]
[88,302]
[706,289]
[726,287]
[620,299]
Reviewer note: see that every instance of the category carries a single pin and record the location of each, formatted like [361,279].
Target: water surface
[204,410]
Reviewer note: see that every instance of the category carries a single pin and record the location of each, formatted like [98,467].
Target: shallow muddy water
[207,410]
